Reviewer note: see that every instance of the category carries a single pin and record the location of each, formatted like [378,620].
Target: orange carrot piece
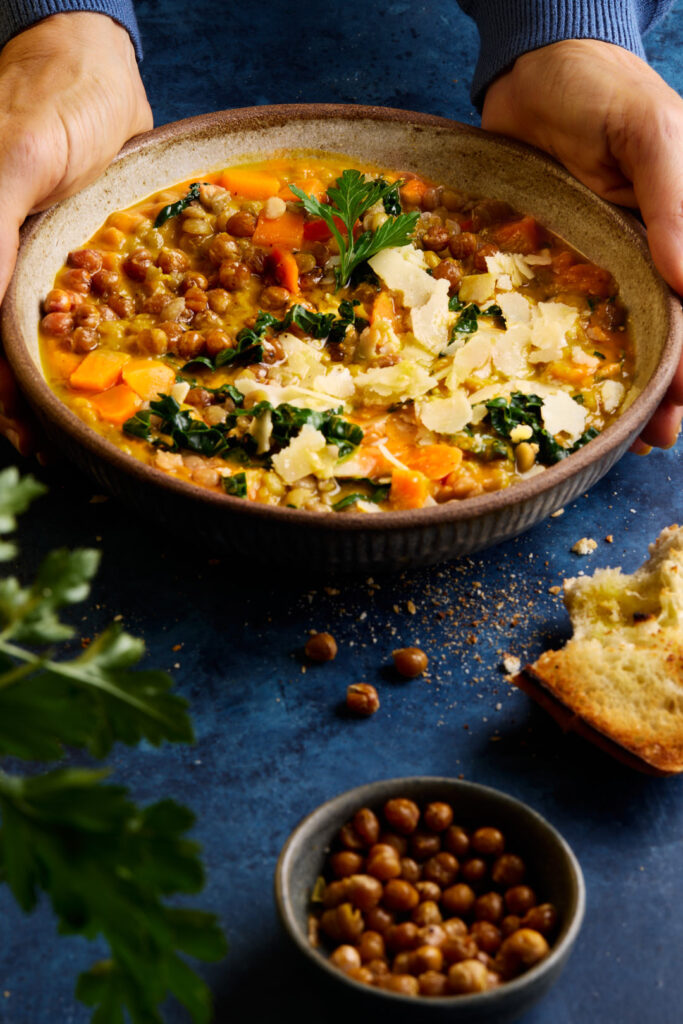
[125,220]
[99,370]
[251,184]
[523,236]
[588,279]
[436,461]
[409,489]
[148,378]
[413,190]
[311,186]
[62,364]
[579,376]
[117,405]
[383,309]
[286,231]
[286,269]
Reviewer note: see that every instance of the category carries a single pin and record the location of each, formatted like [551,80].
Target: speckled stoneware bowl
[450,153]
[552,865]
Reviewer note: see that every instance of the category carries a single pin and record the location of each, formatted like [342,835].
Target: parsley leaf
[349,201]
[173,209]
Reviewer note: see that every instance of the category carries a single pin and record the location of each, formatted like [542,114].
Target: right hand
[70,96]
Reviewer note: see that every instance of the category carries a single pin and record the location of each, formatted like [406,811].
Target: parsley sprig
[349,201]
[106,864]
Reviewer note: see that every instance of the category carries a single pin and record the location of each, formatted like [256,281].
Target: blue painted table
[271,744]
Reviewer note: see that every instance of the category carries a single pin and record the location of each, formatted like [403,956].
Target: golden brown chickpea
[489,907]
[78,281]
[442,868]
[321,647]
[199,397]
[400,895]
[424,845]
[487,936]
[153,341]
[57,300]
[123,305]
[399,843]
[233,276]
[137,264]
[542,918]
[274,297]
[508,870]
[410,662]
[401,937]
[196,300]
[346,862]
[365,821]
[403,963]
[364,891]
[57,324]
[431,935]
[410,870]
[85,259]
[510,924]
[104,282]
[456,841]
[362,974]
[428,891]
[467,976]
[383,862]
[378,968]
[84,340]
[371,946]
[462,245]
[336,892]
[488,841]
[520,899]
[426,913]
[459,947]
[438,816]
[454,926]
[451,271]
[362,699]
[379,919]
[406,984]
[426,958]
[458,899]
[217,341]
[433,983]
[350,923]
[520,951]
[188,344]
[242,224]
[346,958]
[473,870]
[219,300]
[402,815]
[349,838]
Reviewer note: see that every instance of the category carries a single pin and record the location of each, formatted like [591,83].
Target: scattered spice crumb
[585,546]
[554,590]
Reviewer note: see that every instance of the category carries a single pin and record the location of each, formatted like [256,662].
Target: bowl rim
[366,794]
[614,437]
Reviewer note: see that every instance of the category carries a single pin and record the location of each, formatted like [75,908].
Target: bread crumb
[558,512]
[584,546]
[410,605]
[511,664]
[609,539]
[554,590]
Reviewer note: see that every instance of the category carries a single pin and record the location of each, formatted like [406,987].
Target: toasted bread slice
[620,677]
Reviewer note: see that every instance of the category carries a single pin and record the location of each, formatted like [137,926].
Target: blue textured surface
[271,742]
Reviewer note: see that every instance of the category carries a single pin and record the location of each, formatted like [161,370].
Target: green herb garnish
[349,201]
[173,209]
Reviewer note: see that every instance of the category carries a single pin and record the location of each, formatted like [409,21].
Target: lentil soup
[314,333]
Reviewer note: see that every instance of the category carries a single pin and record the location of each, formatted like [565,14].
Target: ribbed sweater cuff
[17,15]
[509,28]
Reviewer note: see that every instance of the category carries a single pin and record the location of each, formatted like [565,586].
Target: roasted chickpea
[362,974]
[364,891]
[58,300]
[488,841]
[401,937]
[467,976]
[510,924]
[365,821]
[410,870]
[428,891]
[85,259]
[456,841]
[217,341]
[274,297]
[222,247]
[137,264]
[433,983]
[487,936]
[321,647]
[458,899]
[424,845]
[442,868]
[520,951]
[438,816]
[123,305]
[489,907]
[350,923]
[219,300]
[403,963]
[399,843]
[431,935]
[172,261]
[508,870]
[379,919]
[473,870]
[405,984]
[378,968]
[426,913]
[451,271]
[371,946]
[242,224]
[542,918]
[76,281]
[234,276]
[345,863]
[435,239]
[400,895]
[349,837]
[196,299]
[459,947]
[383,862]
[346,958]
[454,927]
[189,344]
[479,258]
[84,340]
[519,899]
[57,324]
[104,282]
[426,958]
[153,341]
[199,397]
[362,699]
[336,892]
[462,245]
[410,662]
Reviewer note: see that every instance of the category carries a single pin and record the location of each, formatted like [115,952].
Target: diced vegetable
[99,370]
[436,461]
[312,186]
[413,190]
[286,231]
[383,309]
[117,405]
[286,269]
[409,489]
[524,236]
[250,183]
[148,378]
[62,363]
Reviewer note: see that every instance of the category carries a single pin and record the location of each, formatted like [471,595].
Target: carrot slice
[383,309]
[311,186]
[409,489]
[251,184]
[286,231]
[413,191]
[117,405]
[62,363]
[436,461]
[99,370]
[148,378]
[523,236]
[286,269]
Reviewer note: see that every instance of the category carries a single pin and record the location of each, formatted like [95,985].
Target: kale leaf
[173,209]
[525,410]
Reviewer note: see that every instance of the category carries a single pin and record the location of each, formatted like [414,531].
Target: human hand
[70,96]
[618,127]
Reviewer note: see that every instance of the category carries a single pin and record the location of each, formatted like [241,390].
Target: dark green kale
[525,410]
[236,485]
[173,209]
[375,493]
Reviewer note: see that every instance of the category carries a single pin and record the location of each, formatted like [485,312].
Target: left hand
[618,127]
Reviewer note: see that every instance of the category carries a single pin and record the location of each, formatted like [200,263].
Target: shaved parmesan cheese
[510,264]
[179,391]
[261,430]
[477,288]
[403,270]
[582,358]
[431,322]
[397,383]
[562,415]
[611,394]
[446,415]
[474,354]
[541,259]
[337,382]
[308,453]
[516,309]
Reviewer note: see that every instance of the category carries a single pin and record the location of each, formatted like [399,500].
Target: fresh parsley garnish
[349,201]
[525,410]
[173,209]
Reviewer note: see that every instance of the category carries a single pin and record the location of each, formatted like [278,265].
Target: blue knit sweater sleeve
[509,28]
[16,15]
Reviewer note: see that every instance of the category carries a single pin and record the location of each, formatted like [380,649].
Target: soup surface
[316,333]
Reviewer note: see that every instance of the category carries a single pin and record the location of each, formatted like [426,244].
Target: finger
[664,427]
[675,392]
[9,246]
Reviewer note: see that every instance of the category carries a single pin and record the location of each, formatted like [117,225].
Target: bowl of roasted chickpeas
[433,896]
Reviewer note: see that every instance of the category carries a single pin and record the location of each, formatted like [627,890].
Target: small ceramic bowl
[555,871]
[465,157]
